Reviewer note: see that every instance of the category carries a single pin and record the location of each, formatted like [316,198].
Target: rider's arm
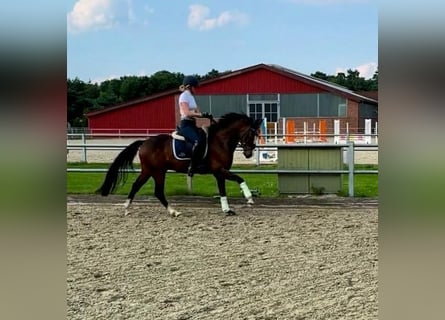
[187,111]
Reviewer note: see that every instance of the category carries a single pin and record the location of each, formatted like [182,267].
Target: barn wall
[352,117]
[154,114]
[256,81]
[218,105]
[291,105]
[312,105]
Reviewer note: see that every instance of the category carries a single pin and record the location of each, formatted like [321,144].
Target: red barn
[261,91]
[151,114]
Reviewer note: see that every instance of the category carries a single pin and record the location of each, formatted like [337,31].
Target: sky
[109,39]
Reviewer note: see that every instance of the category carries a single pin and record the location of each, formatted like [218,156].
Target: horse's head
[238,129]
[248,137]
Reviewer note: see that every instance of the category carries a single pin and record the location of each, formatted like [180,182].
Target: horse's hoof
[250,202]
[174,213]
[230,212]
[127,212]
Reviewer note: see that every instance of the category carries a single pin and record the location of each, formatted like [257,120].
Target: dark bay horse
[156,157]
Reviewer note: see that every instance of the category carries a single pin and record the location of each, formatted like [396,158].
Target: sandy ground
[292,258]
[107,156]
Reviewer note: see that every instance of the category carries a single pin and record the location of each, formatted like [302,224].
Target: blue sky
[113,38]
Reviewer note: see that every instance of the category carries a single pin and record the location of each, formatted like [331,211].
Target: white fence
[266,153]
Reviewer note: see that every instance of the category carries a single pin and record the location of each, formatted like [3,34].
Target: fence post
[376,132]
[189,184]
[336,131]
[84,155]
[305,132]
[368,131]
[351,168]
[258,156]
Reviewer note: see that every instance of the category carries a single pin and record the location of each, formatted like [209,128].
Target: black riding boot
[194,160]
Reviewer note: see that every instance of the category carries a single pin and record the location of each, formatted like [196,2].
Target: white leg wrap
[127,207]
[173,212]
[246,192]
[224,204]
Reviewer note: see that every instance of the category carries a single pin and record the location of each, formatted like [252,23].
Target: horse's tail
[117,173]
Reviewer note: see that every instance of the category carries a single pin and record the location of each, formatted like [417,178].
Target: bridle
[247,139]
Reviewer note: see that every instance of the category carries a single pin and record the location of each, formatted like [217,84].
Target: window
[263,97]
[255,110]
[271,112]
[342,109]
[262,106]
[312,105]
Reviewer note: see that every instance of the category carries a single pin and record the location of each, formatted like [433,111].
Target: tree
[81,97]
[354,81]
[373,83]
[130,88]
[351,80]
[320,75]
[107,98]
[211,75]
[165,80]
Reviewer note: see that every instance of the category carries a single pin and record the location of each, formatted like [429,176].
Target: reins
[244,137]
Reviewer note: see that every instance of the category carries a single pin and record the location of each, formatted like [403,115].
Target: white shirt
[187,97]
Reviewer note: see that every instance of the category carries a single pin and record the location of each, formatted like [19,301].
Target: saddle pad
[182,150]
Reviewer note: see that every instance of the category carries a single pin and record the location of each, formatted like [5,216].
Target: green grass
[366,185]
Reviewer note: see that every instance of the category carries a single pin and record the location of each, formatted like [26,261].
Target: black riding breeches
[189,130]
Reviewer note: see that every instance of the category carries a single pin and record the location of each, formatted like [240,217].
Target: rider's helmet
[191,81]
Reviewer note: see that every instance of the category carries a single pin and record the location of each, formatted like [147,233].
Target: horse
[156,158]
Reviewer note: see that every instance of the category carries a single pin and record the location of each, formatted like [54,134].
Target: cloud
[366,70]
[104,14]
[90,14]
[199,18]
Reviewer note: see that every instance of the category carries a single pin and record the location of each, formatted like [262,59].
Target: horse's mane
[228,119]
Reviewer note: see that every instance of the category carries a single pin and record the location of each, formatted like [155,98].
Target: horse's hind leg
[159,193]
[137,185]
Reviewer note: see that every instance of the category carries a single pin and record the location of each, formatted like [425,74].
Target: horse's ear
[257,123]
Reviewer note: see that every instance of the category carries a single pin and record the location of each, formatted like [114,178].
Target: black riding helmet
[190,81]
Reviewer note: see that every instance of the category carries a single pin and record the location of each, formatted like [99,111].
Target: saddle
[182,149]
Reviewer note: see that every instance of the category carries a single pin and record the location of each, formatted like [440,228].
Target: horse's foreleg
[137,185]
[159,193]
[247,193]
[221,181]
[243,185]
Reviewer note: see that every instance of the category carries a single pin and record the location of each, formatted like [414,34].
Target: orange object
[290,131]
[322,125]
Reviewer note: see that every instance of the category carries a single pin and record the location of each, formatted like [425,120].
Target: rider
[189,111]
